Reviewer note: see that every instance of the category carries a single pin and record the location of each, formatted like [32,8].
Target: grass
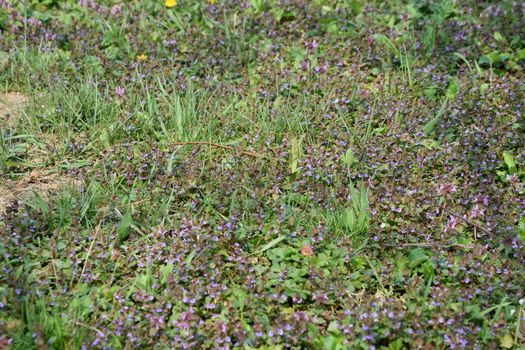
[262,175]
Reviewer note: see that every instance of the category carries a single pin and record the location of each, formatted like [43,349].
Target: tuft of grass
[356,219]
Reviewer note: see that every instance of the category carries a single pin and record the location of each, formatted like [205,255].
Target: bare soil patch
[45,184]
[11,106]
[42,181]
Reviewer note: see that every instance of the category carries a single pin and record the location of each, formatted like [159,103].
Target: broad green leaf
[124,228]
[190,257]
[165,270]
[506,341]
[431,125]
[349,159]
[417,256]
[396,344]
[520,55]
[295,153]
[452,90]
[356,7]
[509,161]
[270,244]
[498,37]
[491,58]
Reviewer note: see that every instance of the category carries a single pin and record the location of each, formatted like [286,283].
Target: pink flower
[476,212]
[312,45]
[451,223]
[120,91]
[448,188]
[323,68]
[34,22]
[305,65]
[115,10]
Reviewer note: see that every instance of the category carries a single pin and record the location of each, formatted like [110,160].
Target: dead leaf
[307,250]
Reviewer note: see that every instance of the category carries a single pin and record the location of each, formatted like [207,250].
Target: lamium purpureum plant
[262,175]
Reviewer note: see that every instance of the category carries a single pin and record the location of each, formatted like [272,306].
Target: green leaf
[498,37]
[356,7]
[484,87]
[4,60]
[364,198]
[452,89]
[356,219]
[41,204]
[506,341]
[509,161]
[417,257]
[396,344]
[165,270]
[332,327]
[296,153]
[257,6]
[297,55]
[431,125]
[270,244]
[491,58]
[190,257]
[349,159]
[234,142]
[428,269]
[124,227]
[293,166]
[520,55]
[331,342]
[79,163]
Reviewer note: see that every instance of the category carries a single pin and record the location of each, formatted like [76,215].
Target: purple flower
[312,45]
[451,223]
[305,65]
[120,91]
[323,68]
[476,212]
[115,10]
[448,188]
[34,22]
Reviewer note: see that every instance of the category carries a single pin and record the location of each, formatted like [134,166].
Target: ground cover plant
[263,174]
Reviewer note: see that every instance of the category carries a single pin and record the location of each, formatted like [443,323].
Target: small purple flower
[451,223]
[120,91]
[448,188]
[34,22]
[305,65]
[323,68]
[476,212]
[312,45]
[116,10]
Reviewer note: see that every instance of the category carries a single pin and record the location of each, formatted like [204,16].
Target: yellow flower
[171,3]
[142,57]
[212,2]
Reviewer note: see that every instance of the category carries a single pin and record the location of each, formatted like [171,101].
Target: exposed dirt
[46,184]
[11,106]
[42,181]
